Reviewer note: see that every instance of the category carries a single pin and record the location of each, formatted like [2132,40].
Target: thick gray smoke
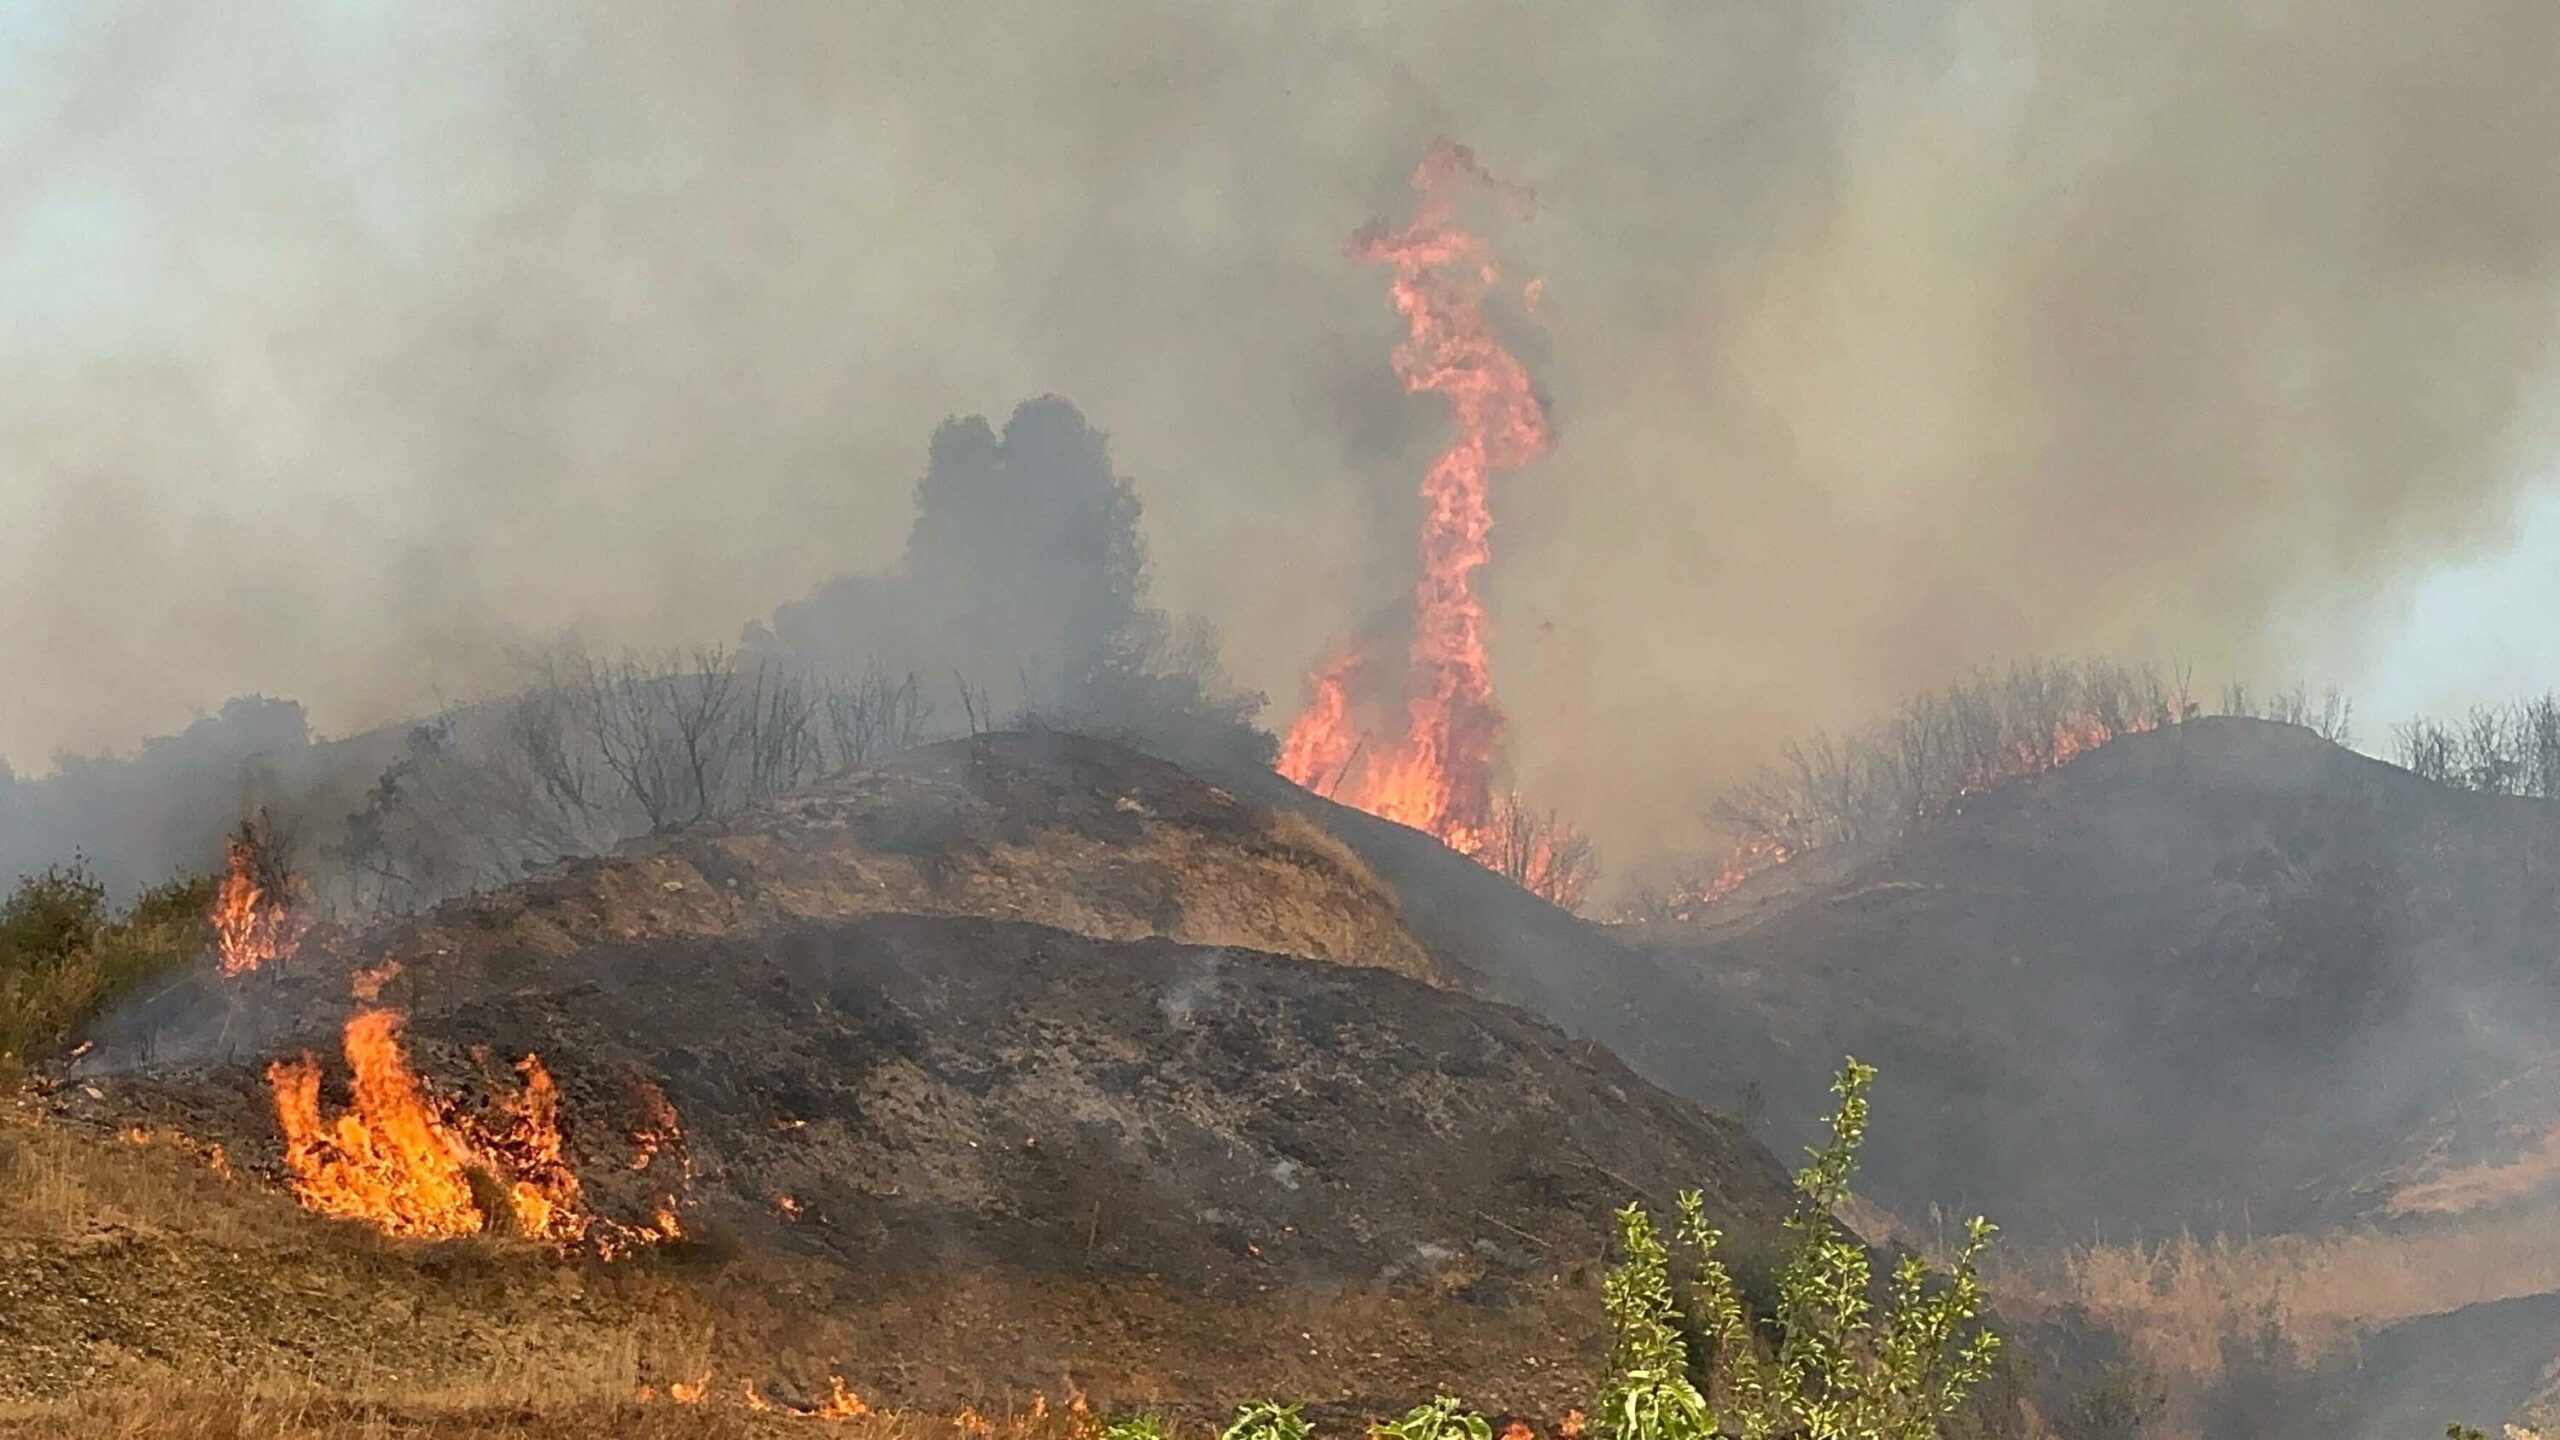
[344,345]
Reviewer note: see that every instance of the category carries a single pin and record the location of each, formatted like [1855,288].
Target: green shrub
[50,917]
[1442,1419]
[1835,1369]
[64,957]
[1264,1420]
[1137,1427]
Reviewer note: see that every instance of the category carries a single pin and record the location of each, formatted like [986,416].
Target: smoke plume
[344,346]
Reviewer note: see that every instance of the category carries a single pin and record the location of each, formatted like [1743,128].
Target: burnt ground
[2225,976]
[1055,829]
[2227,979]
[1026,1031]
[962,1152]
[1218,1120]
[1507,944]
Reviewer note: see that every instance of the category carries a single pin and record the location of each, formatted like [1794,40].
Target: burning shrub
[255,917]
[1939,748]
[1539,851]
[1437,774]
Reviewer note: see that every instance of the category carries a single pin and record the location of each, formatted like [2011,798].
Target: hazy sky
[341,345]
[2475,631]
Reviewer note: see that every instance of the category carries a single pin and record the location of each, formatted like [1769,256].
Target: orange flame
[403,1160]
[253,918]
[2070,739]
[1439,777]
[841,1402]
[390,1160]
[660,1128]
[1753,856]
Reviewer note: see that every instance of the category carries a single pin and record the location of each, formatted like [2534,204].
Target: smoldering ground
[345,346]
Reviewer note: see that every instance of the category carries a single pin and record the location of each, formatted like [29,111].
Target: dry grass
[138,1288]
[181,1411]
[138,1267]
[60,1185]
[2179,1301]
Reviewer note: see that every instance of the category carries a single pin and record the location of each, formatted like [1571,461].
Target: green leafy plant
[1147,1426]
[1266,1420]
[1442,1419]
[1839,1369]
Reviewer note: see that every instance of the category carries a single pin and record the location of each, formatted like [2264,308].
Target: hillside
[1656,1012]
[2227,979]
[2207,977]
[988,1067]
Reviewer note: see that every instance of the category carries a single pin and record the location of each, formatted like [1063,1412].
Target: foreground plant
[1442,1419]
[1263,1420]
[1839,1370]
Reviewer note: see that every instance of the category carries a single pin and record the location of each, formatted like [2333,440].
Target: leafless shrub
[1539,851]
[1994,724]
[593,749]
[1939,747]
[2511,749]
[2332,719]
[872,716]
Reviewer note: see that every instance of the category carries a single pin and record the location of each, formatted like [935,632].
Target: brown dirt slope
[1060,830]
[143,1294]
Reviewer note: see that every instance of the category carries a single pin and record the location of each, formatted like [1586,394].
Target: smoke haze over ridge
[344,345]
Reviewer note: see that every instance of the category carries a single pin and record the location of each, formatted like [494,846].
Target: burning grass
[412,1162]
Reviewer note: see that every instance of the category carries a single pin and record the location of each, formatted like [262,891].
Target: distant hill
[2213,976]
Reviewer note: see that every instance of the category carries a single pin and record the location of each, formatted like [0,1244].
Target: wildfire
[408,1162]
[2040,752]
[253,916]
[841,1402]
[660,1129]
[390,1160]
[1749,859]
[1438,777]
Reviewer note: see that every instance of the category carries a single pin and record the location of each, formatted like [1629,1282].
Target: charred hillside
[1025,1019]
[905,1093]
[1655,1011]
[2219,975]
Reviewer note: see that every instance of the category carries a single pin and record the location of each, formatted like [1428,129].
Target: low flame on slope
[2070,739]
[841,1403]
[390,1159]
[405,1160]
